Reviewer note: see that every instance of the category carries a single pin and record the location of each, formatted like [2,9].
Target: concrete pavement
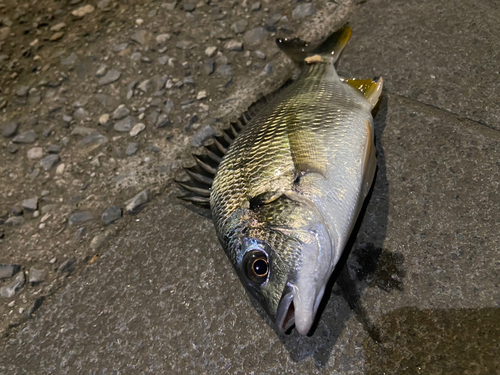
[424,265]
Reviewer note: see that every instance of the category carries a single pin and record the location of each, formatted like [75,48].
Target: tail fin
[329,50]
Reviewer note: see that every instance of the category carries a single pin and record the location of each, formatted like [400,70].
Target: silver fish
[288,190]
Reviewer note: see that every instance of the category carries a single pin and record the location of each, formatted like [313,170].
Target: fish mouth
[285,316]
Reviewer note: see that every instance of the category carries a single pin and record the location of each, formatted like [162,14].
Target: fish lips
[285,315]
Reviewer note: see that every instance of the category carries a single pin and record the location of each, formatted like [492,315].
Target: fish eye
[256,266]
[259,267]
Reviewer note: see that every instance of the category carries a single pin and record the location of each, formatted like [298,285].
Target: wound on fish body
[285,183]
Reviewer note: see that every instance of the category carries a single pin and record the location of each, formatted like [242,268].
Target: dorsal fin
[201,175]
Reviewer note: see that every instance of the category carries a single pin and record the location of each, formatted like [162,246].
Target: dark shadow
[436,341]
[364,263]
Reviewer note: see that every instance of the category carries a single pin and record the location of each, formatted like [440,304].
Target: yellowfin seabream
[285,183]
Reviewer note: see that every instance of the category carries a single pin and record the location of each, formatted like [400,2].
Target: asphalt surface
[420,293]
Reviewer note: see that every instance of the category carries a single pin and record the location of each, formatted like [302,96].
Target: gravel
[11,289]
[204,134]
[49,161]
[125,125]
[10,130]
[8,270]
[112,214]
[36,276]
[137,202]
[110,77]
[80,217]
[30,205]
[303,10]
[27,137]
[255,37]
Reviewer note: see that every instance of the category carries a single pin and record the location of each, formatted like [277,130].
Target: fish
[286,182]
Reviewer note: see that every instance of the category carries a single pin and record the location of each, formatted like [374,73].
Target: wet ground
[150,290]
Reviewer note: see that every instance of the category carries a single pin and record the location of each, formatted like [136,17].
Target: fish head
[284,259]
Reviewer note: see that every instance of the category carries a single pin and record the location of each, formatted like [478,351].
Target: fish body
[287,193]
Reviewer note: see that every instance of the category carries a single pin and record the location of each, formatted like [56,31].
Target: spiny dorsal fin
[201,175]
[328,51]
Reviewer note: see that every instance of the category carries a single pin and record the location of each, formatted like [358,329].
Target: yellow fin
[368,87]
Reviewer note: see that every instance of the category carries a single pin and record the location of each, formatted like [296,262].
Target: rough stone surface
[111,215]
[10,129]
[234,45]
[138,128]
[36,275]
[80,217]
[92,141]
[35,153]
[83,11]
[49,161]
[82,130]
[27,137]
[202,135]
[68,265]
[131,149]
[110,77]
[11,289]
[255,37]
[225,70]
[239,27]
[14,221]
[125,125]
[98,241]
[48,208]
[303,10]
[137,202]
[163,121]
[8,270]
[140,37]
[120,112]
[54,149]
[30,205]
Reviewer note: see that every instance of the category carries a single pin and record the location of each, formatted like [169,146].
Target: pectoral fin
[369,88]
[308,153]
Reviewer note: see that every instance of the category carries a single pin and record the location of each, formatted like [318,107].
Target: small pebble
[138,201]
[131,149]
[210,51]
[120,112]
[36,276]
[11,289]
[35,153]
[49,161]
[10,130]
[110,77]
[201,95]
[80,218]
[27,137]
[137,129]
[104,119]
[83,11]
[30,205]
[162,38]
